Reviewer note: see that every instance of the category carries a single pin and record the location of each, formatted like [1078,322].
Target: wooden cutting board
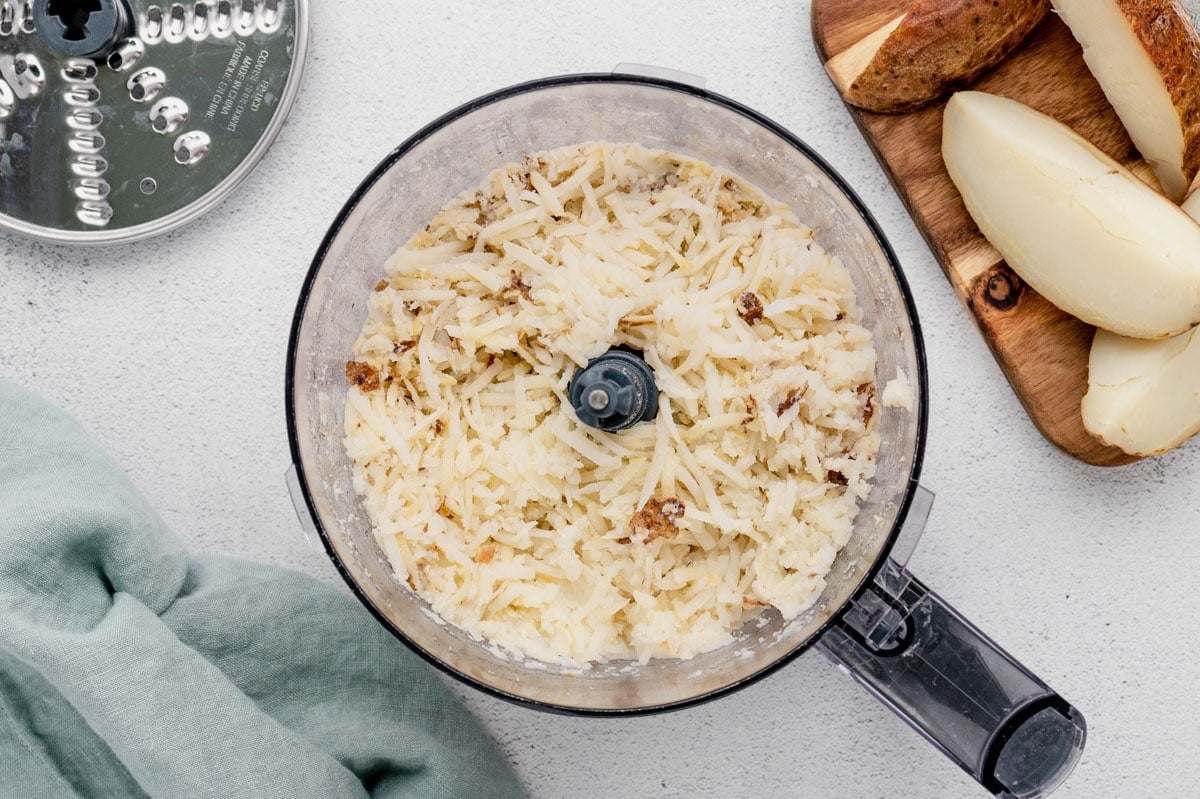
[1042,350]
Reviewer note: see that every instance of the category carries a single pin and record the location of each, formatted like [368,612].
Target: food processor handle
[954,685]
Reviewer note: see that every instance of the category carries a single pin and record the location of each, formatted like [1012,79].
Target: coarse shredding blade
[123,119]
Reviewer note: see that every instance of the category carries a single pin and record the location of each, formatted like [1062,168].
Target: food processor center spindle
[615,392]
[81,28]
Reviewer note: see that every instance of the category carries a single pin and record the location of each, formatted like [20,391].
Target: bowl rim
[922,379]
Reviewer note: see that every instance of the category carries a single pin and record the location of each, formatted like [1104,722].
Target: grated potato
[565,544]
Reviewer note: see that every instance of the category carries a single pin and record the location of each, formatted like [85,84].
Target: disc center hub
[74,15]
[84,28]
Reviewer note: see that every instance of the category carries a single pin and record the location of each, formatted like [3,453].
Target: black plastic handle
[954,685]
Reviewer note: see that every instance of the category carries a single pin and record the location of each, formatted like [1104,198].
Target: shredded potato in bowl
[563,543]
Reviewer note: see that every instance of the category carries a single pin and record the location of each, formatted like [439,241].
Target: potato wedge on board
[1078,227]
[936,47]
[1144,396]
[1146,56]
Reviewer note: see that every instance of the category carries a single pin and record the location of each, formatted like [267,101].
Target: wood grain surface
[1042,350]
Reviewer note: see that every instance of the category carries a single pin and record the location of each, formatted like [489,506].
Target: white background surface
[172,353]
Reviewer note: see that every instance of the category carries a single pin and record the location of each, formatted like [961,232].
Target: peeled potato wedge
[1144,396]
[1146,56]
[1073,223]
[939,45]
[1191,206]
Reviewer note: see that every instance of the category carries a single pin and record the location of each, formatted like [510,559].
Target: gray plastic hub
[81,28]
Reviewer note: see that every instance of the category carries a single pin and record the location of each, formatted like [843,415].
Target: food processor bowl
[861,608]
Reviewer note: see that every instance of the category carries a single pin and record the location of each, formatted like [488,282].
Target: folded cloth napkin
[129,668]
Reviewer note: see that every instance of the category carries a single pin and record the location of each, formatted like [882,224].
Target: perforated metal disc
[169,108]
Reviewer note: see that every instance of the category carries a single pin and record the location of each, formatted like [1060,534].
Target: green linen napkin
[129,668]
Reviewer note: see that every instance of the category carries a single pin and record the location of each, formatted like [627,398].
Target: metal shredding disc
[123,119]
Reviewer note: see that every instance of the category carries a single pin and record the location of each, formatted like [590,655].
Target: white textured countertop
[172,353]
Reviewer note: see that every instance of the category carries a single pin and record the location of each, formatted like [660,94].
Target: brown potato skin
[1169,38]
[942,45]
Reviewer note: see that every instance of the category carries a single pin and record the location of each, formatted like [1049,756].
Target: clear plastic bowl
[455,154]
